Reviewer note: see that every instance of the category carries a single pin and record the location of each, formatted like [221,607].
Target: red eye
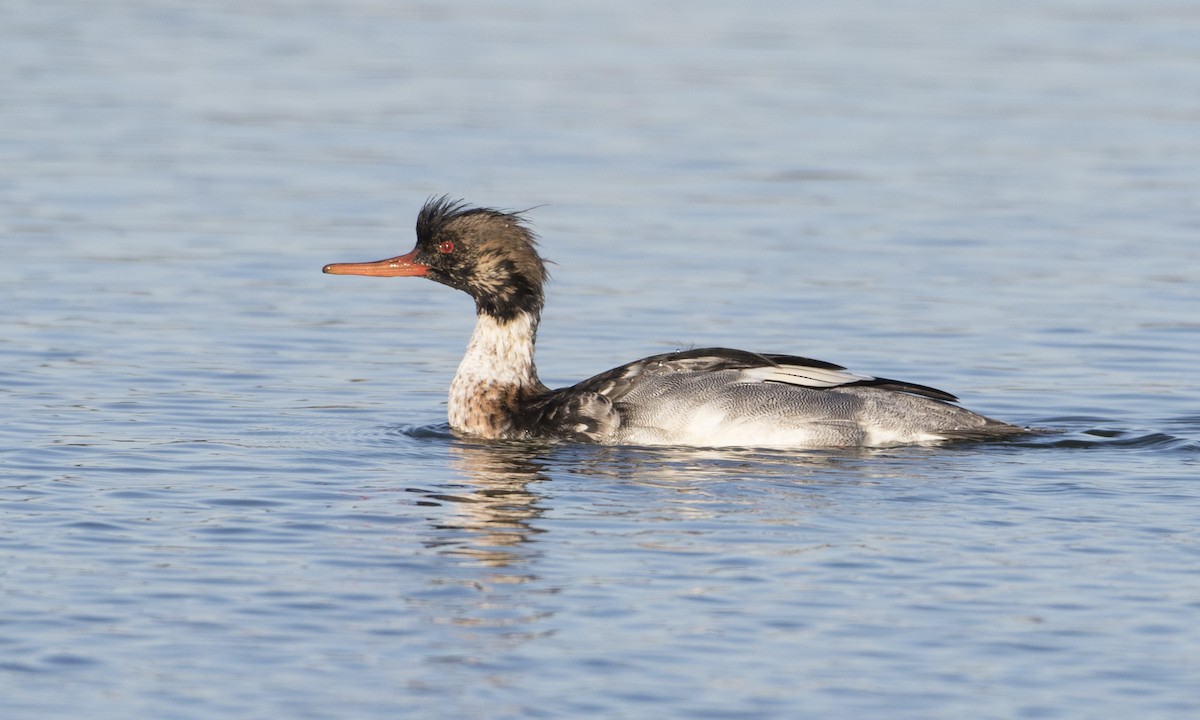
[446,247]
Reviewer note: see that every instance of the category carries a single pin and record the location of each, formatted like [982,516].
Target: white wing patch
[803,375]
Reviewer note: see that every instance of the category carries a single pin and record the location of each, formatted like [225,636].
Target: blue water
[226,484]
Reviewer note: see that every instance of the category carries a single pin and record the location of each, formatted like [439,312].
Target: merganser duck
[710,397]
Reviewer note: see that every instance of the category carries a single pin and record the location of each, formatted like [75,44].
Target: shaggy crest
[489,254]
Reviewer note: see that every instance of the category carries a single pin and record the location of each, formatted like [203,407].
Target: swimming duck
[710,397]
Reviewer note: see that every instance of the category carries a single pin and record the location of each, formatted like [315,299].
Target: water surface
[226,485]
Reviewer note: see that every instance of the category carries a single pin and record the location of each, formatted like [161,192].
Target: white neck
[497,367]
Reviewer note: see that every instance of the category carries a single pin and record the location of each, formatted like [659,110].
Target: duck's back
[718,397]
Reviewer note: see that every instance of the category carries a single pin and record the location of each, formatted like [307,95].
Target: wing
[754,367]
[811,372]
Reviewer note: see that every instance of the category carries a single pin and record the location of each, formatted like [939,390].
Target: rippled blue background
[226,489]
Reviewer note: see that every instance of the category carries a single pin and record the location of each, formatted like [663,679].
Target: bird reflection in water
[494,514]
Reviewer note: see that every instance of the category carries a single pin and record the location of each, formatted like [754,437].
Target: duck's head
[488,254]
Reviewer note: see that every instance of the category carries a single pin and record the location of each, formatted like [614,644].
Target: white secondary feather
[804,375]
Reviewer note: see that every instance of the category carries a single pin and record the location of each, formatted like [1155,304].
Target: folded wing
[752,368]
